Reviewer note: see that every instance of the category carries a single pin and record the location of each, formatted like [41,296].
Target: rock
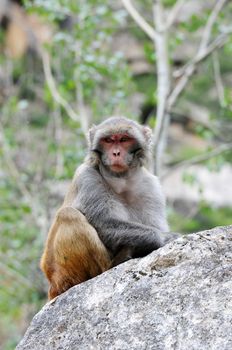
[178,297]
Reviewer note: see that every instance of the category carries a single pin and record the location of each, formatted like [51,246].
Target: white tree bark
[163,84]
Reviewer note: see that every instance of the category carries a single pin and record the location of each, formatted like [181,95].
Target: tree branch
[142,23]
[174,13]
[165,98]
[218,79]
[163,85]
[209,25]
[199,159]
[190,68]
[204,43]
[55,94]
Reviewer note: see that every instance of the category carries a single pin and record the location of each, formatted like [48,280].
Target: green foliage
[189,178]
[145,84]
[149,52]
[195,23]
[85,62]
[19,296]
[169,3]
[206,218]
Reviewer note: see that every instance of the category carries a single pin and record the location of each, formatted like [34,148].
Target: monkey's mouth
[118,167]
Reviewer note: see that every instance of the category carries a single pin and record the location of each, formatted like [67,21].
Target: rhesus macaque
[113,211]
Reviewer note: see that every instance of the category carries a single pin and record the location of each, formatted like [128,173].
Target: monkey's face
[118,152]
[119,145]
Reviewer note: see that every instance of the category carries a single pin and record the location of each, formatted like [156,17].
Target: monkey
[113,211]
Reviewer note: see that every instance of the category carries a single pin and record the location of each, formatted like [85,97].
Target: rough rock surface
[179,297]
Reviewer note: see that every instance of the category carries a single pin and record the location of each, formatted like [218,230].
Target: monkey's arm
[97,203]
[117,234]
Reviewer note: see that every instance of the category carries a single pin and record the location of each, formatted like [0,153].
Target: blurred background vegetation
[67,64]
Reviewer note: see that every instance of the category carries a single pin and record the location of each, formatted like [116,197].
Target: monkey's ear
[90,135]
[147,132]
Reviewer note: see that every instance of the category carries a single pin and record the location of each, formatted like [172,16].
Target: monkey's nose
[116,153]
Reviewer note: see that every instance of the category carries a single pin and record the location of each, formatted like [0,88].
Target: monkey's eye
[124,139]
[108,140]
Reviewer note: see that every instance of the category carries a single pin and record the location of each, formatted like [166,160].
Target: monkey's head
[119,145]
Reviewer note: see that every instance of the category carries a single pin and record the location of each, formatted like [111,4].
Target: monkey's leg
[78,252]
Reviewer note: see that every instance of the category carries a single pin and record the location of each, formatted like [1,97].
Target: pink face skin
[116,147]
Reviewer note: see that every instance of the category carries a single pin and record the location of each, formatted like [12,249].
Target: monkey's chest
[138,208]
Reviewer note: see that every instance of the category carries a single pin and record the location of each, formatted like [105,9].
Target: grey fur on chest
[136,198]
[129,188]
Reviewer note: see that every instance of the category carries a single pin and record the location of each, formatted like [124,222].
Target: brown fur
[73,252]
